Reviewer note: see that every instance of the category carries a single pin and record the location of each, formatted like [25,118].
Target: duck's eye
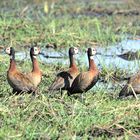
[75,49]
[35,49]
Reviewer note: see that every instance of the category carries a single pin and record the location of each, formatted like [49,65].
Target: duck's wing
[83,82]
[22,82]
[62,81]
[133,85]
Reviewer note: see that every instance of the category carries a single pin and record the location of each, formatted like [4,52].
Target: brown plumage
[132,87]
[64,79]
[36,73]
[86,80]
[18,81]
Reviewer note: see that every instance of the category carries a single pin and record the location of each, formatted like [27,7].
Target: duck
[64,79]
[132,88]
[36,73]
[20,82]
[86,80]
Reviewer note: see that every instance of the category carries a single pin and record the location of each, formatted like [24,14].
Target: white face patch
[8,50]
[75,50]
[93,51]
[36,51]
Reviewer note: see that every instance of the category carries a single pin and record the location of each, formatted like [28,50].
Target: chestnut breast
[73,72]
[35,77]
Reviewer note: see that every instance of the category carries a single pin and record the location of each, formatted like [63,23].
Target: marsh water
[110,57]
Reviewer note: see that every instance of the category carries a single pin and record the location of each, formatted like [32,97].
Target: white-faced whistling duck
[18,81]
[86,80]
[64,79]
[132,87]
[36,73]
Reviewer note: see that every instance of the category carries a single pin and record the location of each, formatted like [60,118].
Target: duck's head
[10,51]
[34,51]
[73,50]
[91,51]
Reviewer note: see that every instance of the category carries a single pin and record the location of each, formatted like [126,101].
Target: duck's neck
[92,65]
[72,62]
[35,65]
[12,63]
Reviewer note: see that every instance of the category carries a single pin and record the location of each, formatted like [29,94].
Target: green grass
[70,32]
[99,114]
[64,29]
